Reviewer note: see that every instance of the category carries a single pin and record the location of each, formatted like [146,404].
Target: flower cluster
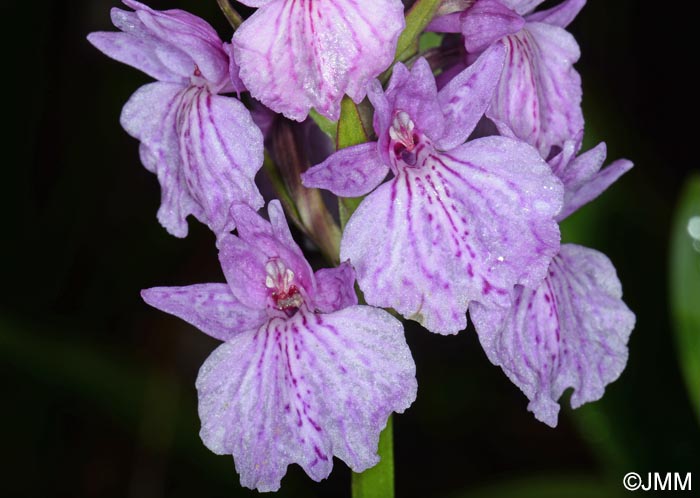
[463,184]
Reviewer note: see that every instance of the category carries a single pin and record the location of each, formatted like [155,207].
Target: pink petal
[256,3]
[522,7]
[335,288]
[350,172]
[449,23]
[596,185]
[298,55]
[233,70]
[209,307]
[280,227]
[304,390]
[467,225]
[560,15]
[221,150]
[582,177]
[150,116]
[138,47]
[244,267]
[465,98]
[413,92]
[571,331]
[486,22]
[189,34]
[539,94]
[244,258]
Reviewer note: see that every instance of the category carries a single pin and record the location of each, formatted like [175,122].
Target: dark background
[99,395]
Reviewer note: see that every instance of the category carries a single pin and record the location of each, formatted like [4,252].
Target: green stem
[378,482]
[233,17]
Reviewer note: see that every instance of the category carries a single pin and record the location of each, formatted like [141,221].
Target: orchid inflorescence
[472,159]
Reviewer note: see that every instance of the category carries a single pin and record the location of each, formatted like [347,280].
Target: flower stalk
[232,16]
[378,482]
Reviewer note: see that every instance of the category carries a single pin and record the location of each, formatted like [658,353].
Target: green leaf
[350,128]
[327,126]
[347,206]
[429,40]
[378,482]
[685,286]
[417,18]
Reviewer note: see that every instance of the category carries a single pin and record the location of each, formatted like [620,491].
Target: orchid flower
[204,147]
[538,97]
[295,55]
[305,373]
[572,329]
[458,222]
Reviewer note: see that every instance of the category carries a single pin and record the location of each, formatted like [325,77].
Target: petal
[486,22]
[465,98]
[256,3]
[150,116]
[575,171]
[233,71]
[298,55]
[138,47]
[467,225]
[571,331]
[415,93]
[194,36]
[522,7]
[350,172]
[209,307]
[582,177]
[303,390]
[244,258]
[244,268]
[383,112]
[599,183]
[335,288]
[449,23]
[221,150]
[560,15]
[539,94]
[567,154]
[251,225]
[280,227]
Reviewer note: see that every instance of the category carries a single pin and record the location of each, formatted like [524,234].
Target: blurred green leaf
[685,286]
[141,398]
[378,482]
[599,432]
[548,487]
